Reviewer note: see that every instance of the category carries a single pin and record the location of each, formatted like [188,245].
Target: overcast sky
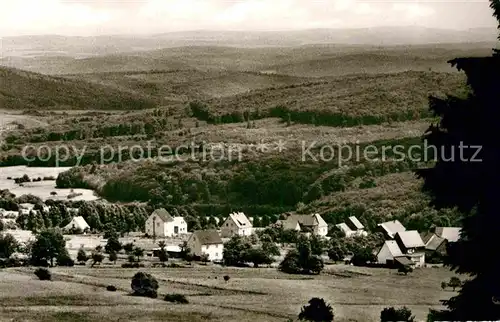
[92,17]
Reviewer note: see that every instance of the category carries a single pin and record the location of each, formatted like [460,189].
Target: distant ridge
[27,90]
[113,44]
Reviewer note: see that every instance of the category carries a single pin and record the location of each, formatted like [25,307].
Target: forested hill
[26,90]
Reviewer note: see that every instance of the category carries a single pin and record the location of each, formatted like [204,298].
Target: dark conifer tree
[470,180]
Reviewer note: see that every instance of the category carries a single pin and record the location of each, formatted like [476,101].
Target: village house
[306,224]
[435,247]
[391,228]
[390,254]
[77,224]
[161,224]
[206,242]
[436,243]
[451,234]
[236,224]
[353,227]
[412,246]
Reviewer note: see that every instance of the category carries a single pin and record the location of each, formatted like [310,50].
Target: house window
[157,224]
[216,254]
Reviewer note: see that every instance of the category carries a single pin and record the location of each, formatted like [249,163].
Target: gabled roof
[320,220]
[207,237]
[410,238]
[426,236]
[179,220]
[392,227]
[305,220]
[343,227]
[451,234]
[77,222]
[289,224]
[240,220]
[163,214]
[356,223]
[393,248]
[434,242]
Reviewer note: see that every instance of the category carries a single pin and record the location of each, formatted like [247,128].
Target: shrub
[82,256]
[43,274]
[317,310]
[444,285]
[204,258]
[405,269]
[65,260]
[174,265]
[226,278]
[176,298]
[454,283]
[362,256]
[113,256]
[390,314]
[144,284]
[132,265]
[111,288]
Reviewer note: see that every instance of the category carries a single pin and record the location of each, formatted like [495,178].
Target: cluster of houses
[401,246]
[408,247]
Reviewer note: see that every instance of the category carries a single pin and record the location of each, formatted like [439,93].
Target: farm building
[306,223]
[77,223]
[391,228]
[236,224]
[161,224]
[435,247]
[206,242]
[451,234]
[412,246]
[354,223]
[389,251]
[353,227]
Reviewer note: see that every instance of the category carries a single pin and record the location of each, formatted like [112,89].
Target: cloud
[48,15]
[413,10]
[157,16]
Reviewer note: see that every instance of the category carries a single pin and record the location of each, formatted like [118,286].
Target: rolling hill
[26,90]
[309,60]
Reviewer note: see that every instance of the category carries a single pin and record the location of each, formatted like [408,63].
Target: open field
[41,189]
[356,294]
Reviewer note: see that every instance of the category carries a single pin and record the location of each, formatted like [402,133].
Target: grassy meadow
[79,294]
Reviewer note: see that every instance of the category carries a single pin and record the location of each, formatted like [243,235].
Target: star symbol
[262,147]
[280,145]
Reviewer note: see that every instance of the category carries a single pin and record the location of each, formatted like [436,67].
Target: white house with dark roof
[206,242]
[236,224]
[354,223]
[391,228]
[161,224]
[353,227]
[306,223]
[345,229]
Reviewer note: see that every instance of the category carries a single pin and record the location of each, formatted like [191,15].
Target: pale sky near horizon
[96,17]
